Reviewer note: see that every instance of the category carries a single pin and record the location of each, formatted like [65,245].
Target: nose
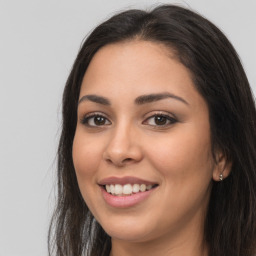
[123,147]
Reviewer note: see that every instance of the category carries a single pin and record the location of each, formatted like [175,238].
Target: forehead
[130,56]
[137,67]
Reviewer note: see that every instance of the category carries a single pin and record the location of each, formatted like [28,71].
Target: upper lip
[124,180]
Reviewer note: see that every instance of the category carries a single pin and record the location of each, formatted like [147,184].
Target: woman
[157,154]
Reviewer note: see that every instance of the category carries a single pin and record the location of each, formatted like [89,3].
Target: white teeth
[108,188]
[118,189]
[149,187]
[143,187]
[127,189]
[112,189]
[135,188]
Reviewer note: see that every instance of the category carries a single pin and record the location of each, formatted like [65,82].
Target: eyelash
[86,119]
[167,118]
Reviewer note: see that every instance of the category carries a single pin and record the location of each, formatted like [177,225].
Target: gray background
[38,43]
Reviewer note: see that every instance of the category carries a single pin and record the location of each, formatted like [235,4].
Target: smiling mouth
[127,189]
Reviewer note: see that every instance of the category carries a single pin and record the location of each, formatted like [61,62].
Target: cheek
[86,159]
[86,154]
[187,154]
[185,165]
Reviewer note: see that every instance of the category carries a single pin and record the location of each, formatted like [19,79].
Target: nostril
[120,163]
[109,161]
[127,160]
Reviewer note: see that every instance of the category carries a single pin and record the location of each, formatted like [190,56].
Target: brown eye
[99,120]
[160,120]
[95,120]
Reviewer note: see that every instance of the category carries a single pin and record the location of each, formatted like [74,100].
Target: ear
[222,168]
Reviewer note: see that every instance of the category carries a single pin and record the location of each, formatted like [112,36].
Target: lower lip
[125,201]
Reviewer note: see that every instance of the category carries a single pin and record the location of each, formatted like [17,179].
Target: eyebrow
[96,99]
[143,99]
[158,96]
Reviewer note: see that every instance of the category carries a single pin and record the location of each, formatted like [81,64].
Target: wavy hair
[230,224]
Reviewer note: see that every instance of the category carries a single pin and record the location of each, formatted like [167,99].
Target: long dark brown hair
[230,225]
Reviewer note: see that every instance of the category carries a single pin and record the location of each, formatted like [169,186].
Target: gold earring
[221,177]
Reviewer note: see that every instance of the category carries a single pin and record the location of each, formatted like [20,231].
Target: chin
[130,235]
[128,230]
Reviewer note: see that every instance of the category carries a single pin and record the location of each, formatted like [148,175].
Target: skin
[177,155]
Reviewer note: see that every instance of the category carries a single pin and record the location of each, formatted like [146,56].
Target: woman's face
[143,134]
